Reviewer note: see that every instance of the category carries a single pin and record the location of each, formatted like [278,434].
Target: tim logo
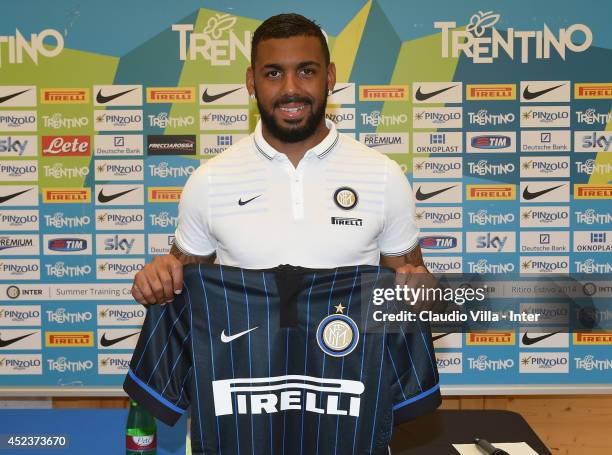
[282,393]
[490,142]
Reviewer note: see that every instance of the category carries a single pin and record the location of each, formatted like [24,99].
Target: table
[435,432]
[90,431]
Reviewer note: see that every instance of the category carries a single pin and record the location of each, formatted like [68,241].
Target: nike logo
[106,342]
[105,99]
[241,202]
[103,198]
[437,337]
[12,95]
[8,197]
[424,196]
[340,89]
[420,96]
[528,195]
[210,98]
[527,340]
[5,343]
[226,339]
[531,95]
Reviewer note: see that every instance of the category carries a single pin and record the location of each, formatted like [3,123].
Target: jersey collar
[321,149]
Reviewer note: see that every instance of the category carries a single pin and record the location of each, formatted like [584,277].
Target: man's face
[290,80]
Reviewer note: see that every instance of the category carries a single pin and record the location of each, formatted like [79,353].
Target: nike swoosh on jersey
[228,338]
[528,195]
[529,341]
[210,98]
[5,343]
[420,96]
[109,342]
[424,196]
[103,198]
[12,95]
[241,202]
[532,95]
[105,99]
[8,197]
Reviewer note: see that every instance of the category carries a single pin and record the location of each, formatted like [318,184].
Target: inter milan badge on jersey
[337,334]
[345,198]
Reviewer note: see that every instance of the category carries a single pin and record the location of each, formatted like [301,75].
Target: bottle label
[141,443]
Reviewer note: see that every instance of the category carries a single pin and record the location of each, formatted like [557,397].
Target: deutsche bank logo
[280,393]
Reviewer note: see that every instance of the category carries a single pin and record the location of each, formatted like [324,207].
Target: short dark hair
[287,26]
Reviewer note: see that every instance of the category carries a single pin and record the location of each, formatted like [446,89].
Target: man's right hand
[158,281]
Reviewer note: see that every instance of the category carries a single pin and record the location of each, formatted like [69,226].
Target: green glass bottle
[140,431]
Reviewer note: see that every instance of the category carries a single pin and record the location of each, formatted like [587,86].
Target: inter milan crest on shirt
[345,198]
[337,334]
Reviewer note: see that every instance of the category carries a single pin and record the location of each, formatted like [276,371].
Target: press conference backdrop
[498,113]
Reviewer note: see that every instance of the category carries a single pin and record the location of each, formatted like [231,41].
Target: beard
[296,133]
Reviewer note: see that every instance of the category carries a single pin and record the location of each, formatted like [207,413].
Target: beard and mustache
[296,133]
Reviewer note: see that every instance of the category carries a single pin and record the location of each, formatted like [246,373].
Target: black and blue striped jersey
[282,361]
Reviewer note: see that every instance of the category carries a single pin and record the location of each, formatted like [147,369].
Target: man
[296,191]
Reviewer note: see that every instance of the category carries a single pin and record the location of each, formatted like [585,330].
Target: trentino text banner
[499,114]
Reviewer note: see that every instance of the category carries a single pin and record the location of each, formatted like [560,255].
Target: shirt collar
[321,149]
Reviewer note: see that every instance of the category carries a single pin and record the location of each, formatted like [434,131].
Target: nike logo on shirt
[228,338]
[241,202]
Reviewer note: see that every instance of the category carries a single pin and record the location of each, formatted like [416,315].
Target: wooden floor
[568,424]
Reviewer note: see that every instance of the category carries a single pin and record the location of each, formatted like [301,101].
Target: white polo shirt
[344,204]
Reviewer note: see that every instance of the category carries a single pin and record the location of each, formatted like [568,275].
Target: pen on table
[488,447]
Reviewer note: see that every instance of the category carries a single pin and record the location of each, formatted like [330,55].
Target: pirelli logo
[164,194]
[66,195]
[69,339]
[339,221]
[491,192]
[592,338]
[383,93]
[490,92]
[593,91]
[171,94]
[491,338]
[64,95]
[582,191]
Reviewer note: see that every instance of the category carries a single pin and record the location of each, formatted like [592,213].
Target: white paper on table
[513,448]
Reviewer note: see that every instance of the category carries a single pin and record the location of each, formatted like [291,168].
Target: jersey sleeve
[192,235]
[415,384]
[400,233]
[161,367]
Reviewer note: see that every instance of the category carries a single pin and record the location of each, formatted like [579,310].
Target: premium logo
[68,339]
[64,96]
[113,145]
[484,92]
[18,146]
[492,142]
[173,95]
[120,194]
[483,118]
[582,191]
[17,96]
[491,192]
[544,192]
[118,95]
[545,116]
[66,195]
[118,120]
[386,142]
[437,117]
[447,142]
[217,43]
[545,166]
[590,363]
[19,244]
[19,220]
[593,91]
[545,91]
[383,93]
[475,43]
[18,121]
[66,146]
[120,219]
[437,92]
[226,119]
[164,194]
[334,396]
[491,338]
[59,121]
